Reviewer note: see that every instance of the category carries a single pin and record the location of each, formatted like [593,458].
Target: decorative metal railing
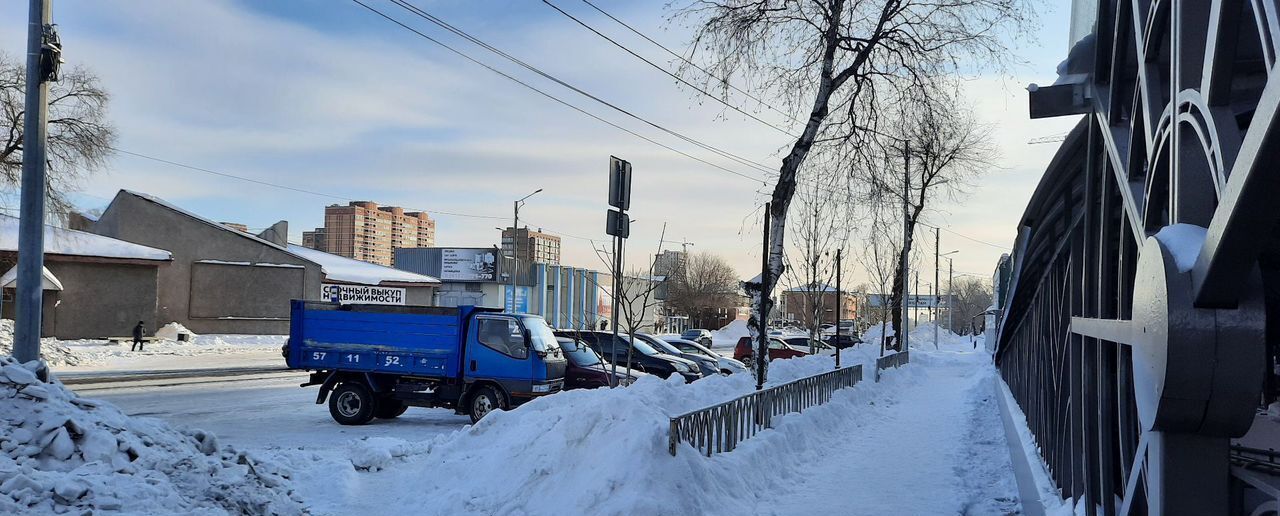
[895,361]
[719,428]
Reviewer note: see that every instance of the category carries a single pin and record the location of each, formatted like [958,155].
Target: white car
[727,365]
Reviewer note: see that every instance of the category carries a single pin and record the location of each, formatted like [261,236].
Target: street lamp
[937,285]
[515,261]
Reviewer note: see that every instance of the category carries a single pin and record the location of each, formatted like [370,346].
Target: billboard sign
[461,264]
[361,294]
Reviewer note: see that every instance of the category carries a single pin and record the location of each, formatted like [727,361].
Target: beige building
[364,231]
[532,246]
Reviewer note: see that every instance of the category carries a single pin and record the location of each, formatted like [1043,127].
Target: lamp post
[515,260]
[937,300]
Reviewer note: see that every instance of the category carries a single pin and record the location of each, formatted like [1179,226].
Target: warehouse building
[94,286]
[345,280]
[220,280]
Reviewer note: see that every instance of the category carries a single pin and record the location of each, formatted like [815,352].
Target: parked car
[644,357]
[777,349]
[587,369]
[698,335]
[843,340]
[706,365]
[803,343]
[727,365]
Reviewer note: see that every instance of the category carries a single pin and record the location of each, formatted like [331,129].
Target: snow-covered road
[269,414]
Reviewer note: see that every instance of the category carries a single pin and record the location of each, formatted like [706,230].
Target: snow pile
[60,453]
[921,337]
[1183,242]
[51,350]
[172,330]
[728,335]
[597,451]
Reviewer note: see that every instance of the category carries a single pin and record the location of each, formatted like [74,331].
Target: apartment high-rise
[531,246]
[364,231]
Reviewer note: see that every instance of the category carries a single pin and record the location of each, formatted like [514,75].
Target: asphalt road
[262,412]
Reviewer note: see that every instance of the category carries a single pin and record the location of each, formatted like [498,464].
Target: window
[502,335]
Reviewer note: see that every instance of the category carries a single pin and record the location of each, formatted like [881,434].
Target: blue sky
[323,95]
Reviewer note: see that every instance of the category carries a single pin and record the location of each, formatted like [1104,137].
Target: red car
[777,349]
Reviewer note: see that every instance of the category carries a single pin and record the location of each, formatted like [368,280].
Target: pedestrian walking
[137,337]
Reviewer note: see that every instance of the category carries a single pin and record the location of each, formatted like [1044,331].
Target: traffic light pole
[30,291]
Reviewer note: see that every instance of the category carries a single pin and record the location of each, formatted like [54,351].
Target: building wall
[532,246]
[99,298]
[798,307]
[103,299]
[208,297]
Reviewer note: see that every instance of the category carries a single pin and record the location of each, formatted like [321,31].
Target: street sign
[619,183]
[618,224]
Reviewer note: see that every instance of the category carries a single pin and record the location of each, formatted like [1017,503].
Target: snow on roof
[79,243]
[50,282]
[338,268]
[210,222]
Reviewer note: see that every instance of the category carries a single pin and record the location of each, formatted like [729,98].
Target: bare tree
[880,253]
[80,136]
[635,294]
[969,297]
[838,62]
[949,148]
[708,284]
[821,226]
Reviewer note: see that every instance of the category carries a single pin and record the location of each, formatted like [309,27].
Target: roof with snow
[347,270]
[219,225]
[70,242]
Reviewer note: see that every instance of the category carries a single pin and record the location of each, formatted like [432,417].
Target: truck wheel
[485,400]
[389,408]
[351,404]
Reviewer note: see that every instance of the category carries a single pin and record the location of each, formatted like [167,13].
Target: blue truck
[377,360]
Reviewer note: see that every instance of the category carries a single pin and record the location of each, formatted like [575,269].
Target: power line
[668,72]
[283,187]
[463,34]
[723,80]
[554,98]
[964,236]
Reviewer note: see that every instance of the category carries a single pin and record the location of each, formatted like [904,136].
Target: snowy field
[926,440]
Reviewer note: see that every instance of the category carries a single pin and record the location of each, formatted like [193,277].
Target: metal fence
[895,361]
[720,428]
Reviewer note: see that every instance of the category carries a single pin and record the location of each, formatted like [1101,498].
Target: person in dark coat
[137,337]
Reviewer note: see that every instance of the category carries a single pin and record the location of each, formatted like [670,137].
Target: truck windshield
[543,339]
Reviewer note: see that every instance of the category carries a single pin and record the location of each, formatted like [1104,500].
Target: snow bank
[921,337]
[62,453]
[728,335]
[172,330]
[51,350]
[595,451]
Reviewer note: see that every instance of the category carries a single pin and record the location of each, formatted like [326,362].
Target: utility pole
[839,298]
[515,260]
[916,305]
[44,54]
[762,345]
[951,274]
[936,299]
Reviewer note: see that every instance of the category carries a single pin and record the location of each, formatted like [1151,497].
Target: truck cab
[377,360]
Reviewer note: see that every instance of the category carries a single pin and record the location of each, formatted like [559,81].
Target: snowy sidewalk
[929,442]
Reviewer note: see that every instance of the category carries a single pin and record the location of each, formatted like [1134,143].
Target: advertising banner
[461,264]
[522,299]
[361,294]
